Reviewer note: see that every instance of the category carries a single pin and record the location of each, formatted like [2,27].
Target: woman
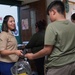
[36,43]
[8,46]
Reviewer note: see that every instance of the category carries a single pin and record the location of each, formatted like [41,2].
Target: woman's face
[37,29]
[11,23]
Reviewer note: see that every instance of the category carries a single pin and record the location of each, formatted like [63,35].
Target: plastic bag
[21,67]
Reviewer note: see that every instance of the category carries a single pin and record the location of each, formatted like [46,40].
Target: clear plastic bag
[21,67]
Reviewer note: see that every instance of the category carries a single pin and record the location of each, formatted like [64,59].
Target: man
[73,17]
[59,42]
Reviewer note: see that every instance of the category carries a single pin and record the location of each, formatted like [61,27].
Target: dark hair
[41,25]
[4,24]
[58,5]
[73,16]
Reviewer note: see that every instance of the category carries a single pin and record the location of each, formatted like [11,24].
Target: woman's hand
[19,52]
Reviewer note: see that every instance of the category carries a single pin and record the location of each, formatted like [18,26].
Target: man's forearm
[43,52]
[39,54]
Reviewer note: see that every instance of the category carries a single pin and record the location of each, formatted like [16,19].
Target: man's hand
[45,51]
[29,56]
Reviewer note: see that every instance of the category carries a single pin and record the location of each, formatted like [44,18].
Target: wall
[28,1]
[71,11]
[34,12]
[25,32]
[72,0]
[40,8]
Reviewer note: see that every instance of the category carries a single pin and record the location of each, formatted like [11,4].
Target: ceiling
[72,0]
[16,2]
[27,1]
[11,2]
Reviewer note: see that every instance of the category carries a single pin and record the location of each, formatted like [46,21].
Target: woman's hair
[5,25]
[41,25]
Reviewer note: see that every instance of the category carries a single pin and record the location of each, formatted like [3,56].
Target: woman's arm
[8,52]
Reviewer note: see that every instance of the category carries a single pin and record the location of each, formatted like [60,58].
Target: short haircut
[73,16]
[5,25]
[58,5]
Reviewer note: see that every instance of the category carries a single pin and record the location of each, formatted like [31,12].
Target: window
[9,10]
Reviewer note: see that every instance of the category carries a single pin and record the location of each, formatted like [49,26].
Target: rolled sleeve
[49,36]
[3,42]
